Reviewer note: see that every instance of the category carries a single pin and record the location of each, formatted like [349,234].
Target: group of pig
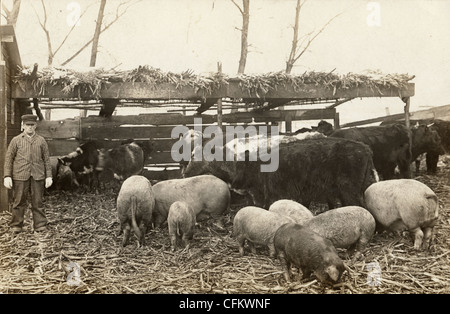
[290,231]
[179,201]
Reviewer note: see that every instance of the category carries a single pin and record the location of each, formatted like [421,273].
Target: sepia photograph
[224,153]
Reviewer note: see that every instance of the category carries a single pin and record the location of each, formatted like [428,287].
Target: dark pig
[310,252]
[257,226]
[135,204]
[181,221]
[125,160]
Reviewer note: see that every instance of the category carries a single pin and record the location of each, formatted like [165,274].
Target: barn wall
[10,123]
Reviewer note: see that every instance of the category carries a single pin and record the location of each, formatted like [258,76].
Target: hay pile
[94,80]
[83,232]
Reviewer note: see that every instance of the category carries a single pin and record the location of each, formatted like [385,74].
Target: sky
[402,36]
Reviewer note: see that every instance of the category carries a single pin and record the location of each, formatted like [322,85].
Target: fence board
[59,129]
[61,147]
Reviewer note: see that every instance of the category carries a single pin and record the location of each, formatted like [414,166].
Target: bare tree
[299,48]
[95,39]
[119,14]
[43,24]
[245,12]
[11,15]
[98,27]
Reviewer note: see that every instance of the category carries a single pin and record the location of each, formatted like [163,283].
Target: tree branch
[237,6]
[71,29]
[118,16]
[314,37]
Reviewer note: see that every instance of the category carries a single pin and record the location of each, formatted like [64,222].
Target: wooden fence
[64,136]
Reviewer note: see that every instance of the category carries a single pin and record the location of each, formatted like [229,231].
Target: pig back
[141,188]
[257,224]
[205,193]
[344,226]
[402,204]
[291,209]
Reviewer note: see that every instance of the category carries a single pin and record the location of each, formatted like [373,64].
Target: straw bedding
[83,232]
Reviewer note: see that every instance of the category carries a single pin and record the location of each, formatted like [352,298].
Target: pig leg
[285,266]
[252,247]
[427,237]
[173,242]
[143,229]
[418,236]
[271,249]
[172,237]
[126,235]
[306,272]
[241,242]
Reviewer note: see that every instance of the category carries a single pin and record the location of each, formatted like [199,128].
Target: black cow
[426,140]
[323,169]
[390,146]
[323,127]
[430,138]
[83,162]
[443,129]
[125,160]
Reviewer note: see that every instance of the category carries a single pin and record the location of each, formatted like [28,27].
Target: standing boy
[28,171]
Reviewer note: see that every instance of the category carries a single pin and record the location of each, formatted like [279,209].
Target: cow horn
[430,125]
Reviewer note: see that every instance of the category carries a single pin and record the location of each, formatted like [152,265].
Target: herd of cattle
[340,168]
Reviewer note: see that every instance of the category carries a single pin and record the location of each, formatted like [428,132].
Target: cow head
[424,140]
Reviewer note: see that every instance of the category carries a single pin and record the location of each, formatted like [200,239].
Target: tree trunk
[291,60]
[244,35]
[11,16]
[97,32]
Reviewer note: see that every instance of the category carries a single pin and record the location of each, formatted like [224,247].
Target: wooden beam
[340,102]
[140,90]
[4,200]
[407,101]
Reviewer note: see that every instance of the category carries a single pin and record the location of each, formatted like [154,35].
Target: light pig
[181,222]
[292,209]
[135,204]
[207,195]
[257,226]
[404,204]
[310,252]
[345,227]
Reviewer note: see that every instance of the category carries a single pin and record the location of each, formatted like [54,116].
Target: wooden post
[48,114]
[336,121]
[288,124]
[219,101]
[4,201]
[407,101]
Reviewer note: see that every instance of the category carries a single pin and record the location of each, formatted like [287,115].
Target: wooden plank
[312,91]
[59,147]
[236,117]
[125,90]
[441,112]
[4,199]
[117,132]
[160,158]
[139,90]
[59,129]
